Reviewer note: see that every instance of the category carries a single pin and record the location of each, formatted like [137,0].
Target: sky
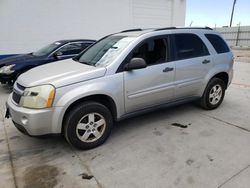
[217,12]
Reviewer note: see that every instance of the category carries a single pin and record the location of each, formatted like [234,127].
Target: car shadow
[41,144]
[151,118]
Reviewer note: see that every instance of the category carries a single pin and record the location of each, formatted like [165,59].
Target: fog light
[24,120]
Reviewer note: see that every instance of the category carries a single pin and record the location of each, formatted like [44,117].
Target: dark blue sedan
[12,67]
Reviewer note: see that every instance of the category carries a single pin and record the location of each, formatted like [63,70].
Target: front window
[153,51]
[105,51]
[71,49]
[45,51]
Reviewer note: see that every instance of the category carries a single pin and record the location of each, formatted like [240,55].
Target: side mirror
[57,55]
[135,63]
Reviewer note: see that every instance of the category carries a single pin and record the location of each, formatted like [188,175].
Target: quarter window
[218,43]
[189,46]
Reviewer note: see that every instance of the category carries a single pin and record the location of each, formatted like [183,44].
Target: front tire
[88,125]
[213,94]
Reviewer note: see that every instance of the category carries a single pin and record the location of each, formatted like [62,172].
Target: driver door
[153,85]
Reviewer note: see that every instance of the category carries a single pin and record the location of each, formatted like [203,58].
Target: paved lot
[242,54]
[146,151]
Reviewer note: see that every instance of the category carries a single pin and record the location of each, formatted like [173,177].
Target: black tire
[76,114]
[205,101]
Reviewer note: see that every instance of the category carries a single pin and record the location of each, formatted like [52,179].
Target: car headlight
[7,69]
[38,97]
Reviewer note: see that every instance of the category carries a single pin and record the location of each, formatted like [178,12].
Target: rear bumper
[230,75]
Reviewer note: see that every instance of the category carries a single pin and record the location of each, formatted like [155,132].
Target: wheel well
[223,76]
[103,99]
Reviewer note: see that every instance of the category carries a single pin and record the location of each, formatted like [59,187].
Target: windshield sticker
[114,51]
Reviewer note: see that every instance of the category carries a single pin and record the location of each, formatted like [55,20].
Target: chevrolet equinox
[122,75]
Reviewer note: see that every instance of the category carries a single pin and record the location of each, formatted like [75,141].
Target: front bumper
[34,122]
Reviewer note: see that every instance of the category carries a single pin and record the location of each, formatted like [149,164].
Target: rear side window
[189,46]
[218,43]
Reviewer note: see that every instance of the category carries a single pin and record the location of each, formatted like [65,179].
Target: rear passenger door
[154,84]
[192,62]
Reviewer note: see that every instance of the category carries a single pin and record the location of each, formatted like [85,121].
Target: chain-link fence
[236,36]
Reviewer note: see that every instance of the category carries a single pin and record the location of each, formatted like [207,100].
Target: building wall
[27,25]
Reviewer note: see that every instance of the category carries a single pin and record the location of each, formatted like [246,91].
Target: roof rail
[130,30]
[208,28]
[165,28]
[169,28]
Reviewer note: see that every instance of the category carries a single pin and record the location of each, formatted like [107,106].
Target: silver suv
[122,75]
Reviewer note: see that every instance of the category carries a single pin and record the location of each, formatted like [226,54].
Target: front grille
[16,97]
[17,93]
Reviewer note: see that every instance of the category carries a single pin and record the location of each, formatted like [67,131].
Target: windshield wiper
[75,59]
[86,63]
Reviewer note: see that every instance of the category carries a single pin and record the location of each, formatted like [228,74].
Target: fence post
[238,34]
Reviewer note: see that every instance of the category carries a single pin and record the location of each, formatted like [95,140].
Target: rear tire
[88,125]
[213,94]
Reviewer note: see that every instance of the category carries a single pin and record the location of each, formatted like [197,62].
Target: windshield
[47,49]
[105,51]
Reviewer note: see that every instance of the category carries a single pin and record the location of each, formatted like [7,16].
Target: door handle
[168,69]
[206,61]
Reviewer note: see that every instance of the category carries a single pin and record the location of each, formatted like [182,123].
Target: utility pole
[232,14]
[238,34]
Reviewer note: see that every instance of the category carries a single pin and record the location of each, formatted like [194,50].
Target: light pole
[232,14]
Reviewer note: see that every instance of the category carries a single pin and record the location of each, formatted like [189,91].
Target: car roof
[138,32]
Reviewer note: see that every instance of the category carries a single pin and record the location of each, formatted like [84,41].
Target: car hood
[60,73]
[18,59]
